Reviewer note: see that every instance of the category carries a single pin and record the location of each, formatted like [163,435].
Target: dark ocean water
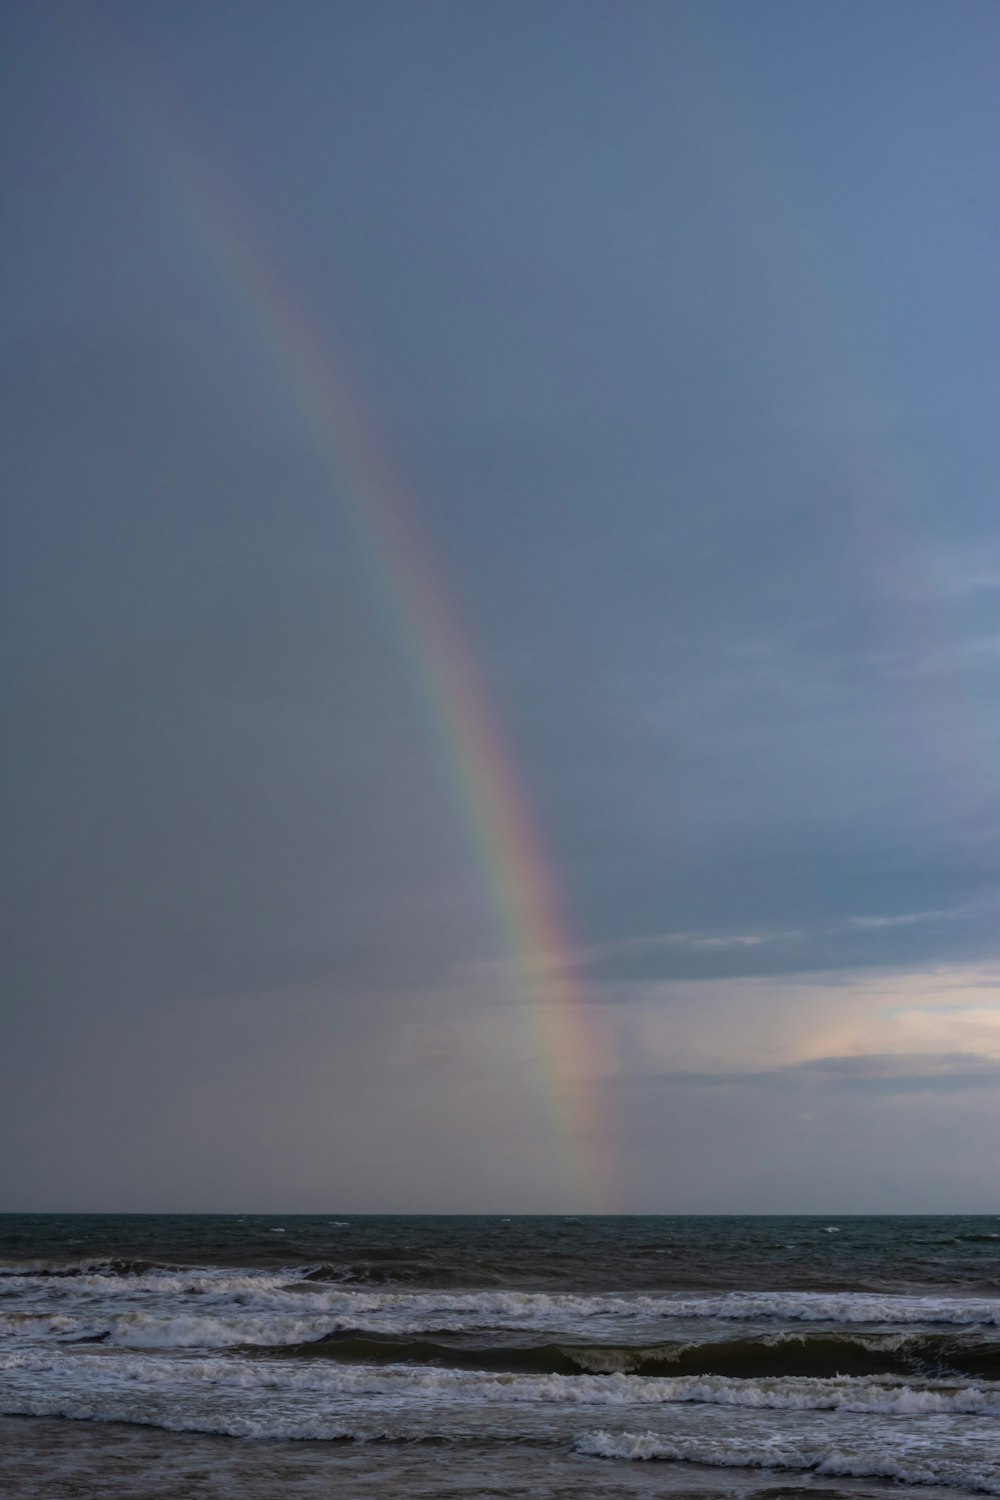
[253,1355]
[848,1254]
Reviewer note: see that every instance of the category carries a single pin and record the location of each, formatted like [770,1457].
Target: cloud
[770,1025]
[920,1065]
[861,942]
[906,919]
[877,1071]
[599,953]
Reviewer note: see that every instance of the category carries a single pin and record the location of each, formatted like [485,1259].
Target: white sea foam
[268,1291]
[830,1427]
[214,1310]
[869,1394]
[839,1307]
[917,1461]
[169,1357]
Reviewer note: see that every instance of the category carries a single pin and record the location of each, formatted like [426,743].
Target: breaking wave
[493,1307]
[102,1379]
[918,1464]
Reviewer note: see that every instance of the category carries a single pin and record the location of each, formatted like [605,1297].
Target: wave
[290,1335]
[746,1334]
[840,1307]
[920,1466]
[129,1377]
[821,1356]
[391,1269]
[64,1270]
[496,1307]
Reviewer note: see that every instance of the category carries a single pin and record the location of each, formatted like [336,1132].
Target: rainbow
[435,649]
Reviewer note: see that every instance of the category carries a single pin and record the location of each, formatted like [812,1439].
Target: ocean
[339,1355]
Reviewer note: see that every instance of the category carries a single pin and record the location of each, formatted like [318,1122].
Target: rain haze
[501,602]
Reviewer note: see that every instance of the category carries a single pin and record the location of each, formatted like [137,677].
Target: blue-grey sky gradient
[681,320]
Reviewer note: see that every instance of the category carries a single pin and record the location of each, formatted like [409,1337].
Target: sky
[501,606]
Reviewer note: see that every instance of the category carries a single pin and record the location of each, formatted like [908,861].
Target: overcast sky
[681,323]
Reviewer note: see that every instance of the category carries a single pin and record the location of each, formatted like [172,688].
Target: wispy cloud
[913,1065]
[877,1070]
[592,955]
[850,950]
[660,941]
[701,941]
[907,919]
